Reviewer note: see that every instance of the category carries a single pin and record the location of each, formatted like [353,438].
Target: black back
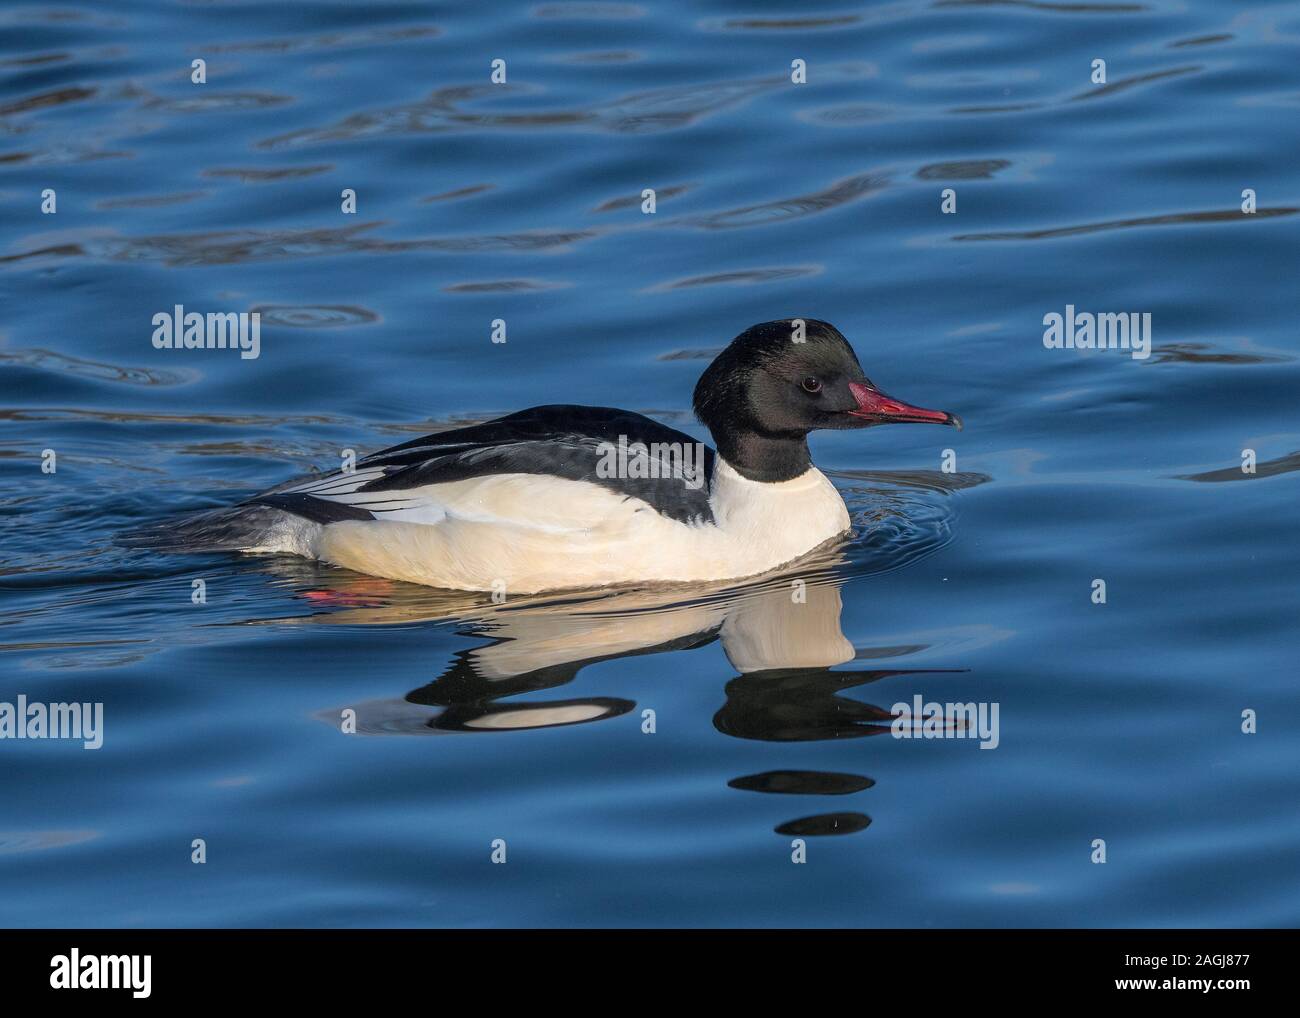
[557,440]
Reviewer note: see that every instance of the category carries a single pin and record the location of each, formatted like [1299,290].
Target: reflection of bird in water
[803,705]
[782,635]
[543,642]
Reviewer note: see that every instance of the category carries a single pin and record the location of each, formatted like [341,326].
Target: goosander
[559,497]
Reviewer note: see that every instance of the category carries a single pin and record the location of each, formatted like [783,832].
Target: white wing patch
[521,503]
[384,505]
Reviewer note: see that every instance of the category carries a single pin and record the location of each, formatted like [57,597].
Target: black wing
[577,443]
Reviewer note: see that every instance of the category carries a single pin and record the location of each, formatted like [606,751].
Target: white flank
[528,532]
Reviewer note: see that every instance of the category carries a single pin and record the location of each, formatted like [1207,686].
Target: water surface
[522,202]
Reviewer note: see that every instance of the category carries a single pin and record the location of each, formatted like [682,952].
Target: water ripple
[963,169]
[1170,219]
[1204,353]
[659,109]
[588,10]
[460,192]
[253,175]
[1110,88]
[842,192]
[1287,464]
[304,316]
[505,286]
[229,247]
[218,101]
[334,40]
[741,277]
[1054,8]
[44,100]
[150,201]
[632,201]
[50,360]
[13,842]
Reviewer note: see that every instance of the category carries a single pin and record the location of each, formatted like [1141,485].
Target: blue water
[524,722]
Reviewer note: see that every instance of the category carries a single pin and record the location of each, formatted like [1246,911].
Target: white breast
[525,533]
[764,525]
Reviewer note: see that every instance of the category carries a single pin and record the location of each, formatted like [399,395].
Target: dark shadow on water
[802,783]
[826,823]
[1057,8]
[1203,353]
[804,705]
[1269,468]
[1173,219]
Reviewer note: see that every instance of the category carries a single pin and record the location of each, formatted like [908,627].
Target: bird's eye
[811,384]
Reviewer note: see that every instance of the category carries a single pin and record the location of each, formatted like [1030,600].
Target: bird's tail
[233,528]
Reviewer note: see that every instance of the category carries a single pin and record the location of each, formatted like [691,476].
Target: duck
[564,497]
